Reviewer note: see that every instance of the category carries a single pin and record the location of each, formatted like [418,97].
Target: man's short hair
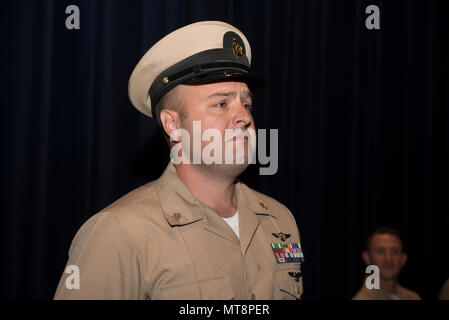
[169,101]
[383,230]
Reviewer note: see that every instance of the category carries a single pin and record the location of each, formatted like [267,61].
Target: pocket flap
[290,283]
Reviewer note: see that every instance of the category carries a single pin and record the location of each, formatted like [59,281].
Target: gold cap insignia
[237,48]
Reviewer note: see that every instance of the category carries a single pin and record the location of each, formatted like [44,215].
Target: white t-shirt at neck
[233,222]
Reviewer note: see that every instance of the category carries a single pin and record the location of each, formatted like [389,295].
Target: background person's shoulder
[407,294]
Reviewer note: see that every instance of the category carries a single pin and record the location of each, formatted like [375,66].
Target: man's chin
[229,170]
[389,276]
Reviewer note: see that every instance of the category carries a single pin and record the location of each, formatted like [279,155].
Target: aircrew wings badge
[282,236]
[287,252]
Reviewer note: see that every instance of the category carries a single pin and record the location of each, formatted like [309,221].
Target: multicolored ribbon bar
[287,252]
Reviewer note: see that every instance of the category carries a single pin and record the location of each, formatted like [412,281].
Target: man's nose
[388,256]
[241,117]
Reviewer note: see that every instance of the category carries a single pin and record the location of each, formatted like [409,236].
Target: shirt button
[253,297]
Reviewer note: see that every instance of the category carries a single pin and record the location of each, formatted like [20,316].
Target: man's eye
[221,105]
[249,107]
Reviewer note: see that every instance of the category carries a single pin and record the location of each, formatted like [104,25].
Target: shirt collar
[176,199]
[178,202]
[256,202]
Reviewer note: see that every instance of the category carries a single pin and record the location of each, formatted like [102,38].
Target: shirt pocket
[289,285]
[211,289]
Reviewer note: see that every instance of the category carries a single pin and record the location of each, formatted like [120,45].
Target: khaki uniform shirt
[444,293]
[378,294]
[160,242]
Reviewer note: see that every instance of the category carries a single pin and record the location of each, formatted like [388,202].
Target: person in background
[384,248]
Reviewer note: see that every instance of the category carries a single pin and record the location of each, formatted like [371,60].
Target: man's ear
[366,258]
[170,120]
[404,258]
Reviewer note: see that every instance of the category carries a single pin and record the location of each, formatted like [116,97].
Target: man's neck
[215,191]
[389,286]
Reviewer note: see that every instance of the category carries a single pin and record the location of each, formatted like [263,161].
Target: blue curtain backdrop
[362,116]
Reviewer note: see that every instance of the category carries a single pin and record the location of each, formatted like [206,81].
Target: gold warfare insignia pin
[282,236]
[237,48]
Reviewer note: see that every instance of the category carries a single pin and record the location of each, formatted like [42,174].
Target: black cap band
[204,67]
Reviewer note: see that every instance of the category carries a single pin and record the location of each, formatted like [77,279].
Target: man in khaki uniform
[384,248]
[196,232]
